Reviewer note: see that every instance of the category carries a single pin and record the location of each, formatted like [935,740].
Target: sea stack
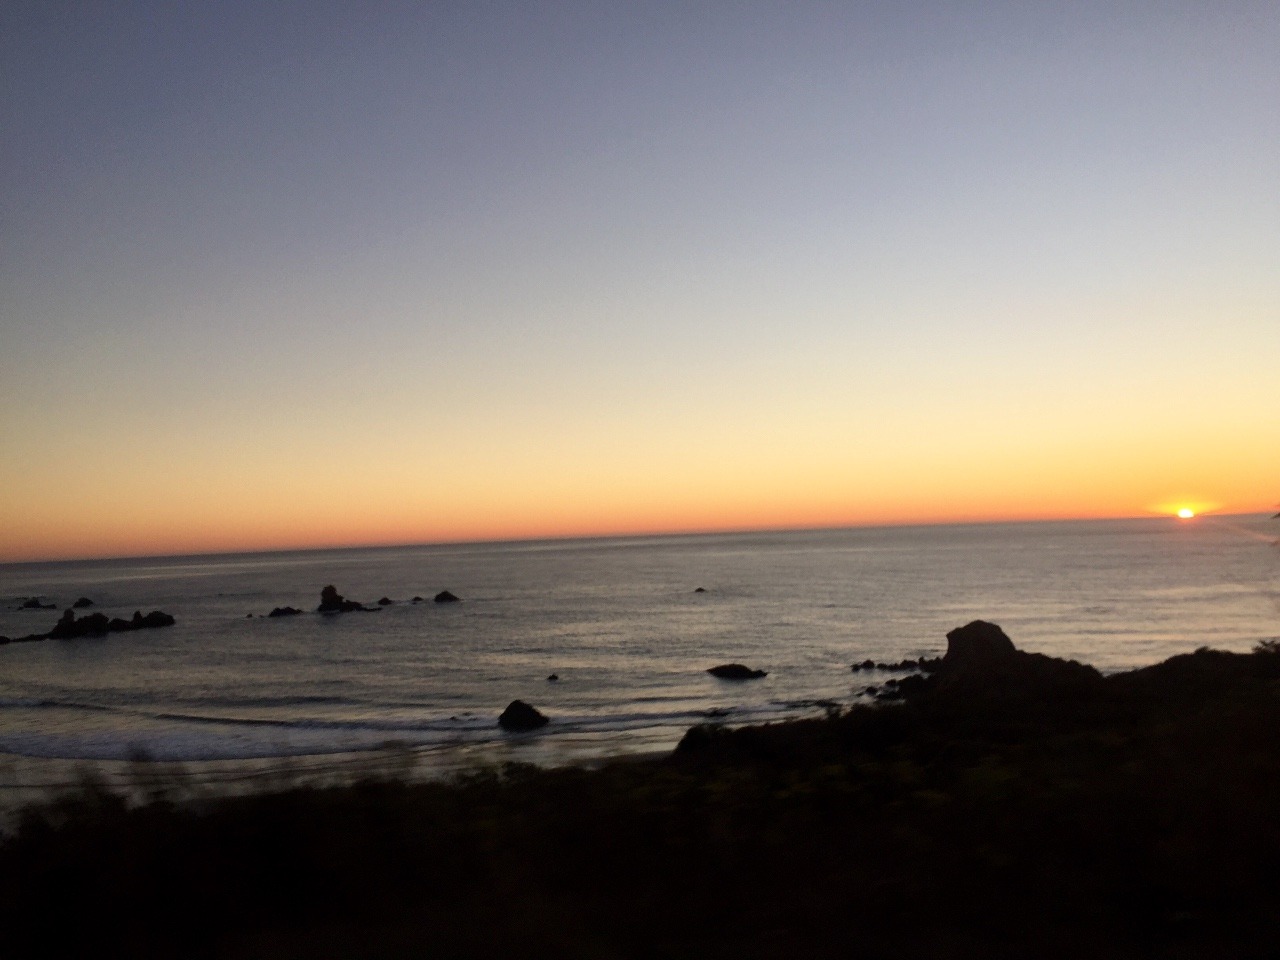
[520,716]
[333,602]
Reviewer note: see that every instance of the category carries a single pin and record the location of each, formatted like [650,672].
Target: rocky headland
[1002,804]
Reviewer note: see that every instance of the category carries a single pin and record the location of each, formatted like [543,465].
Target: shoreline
[1000,804]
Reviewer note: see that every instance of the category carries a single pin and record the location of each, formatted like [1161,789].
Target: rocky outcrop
[155,618]
[284,612]
[82,603]
[982,667]
[33,603]
[978,644]
[97,625]
[736,671]
[444,596]
[385,601]
[520,716]
[67,628]
[333,602]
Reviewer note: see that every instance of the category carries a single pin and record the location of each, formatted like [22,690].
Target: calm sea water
[618,620]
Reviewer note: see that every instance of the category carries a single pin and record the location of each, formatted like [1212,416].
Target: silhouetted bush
[1134,817]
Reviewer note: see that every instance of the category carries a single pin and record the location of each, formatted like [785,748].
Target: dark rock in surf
[520,716]
[33,603]
[444,596]
[700,590]
[333,602]
[416,600]
[67,628]
[736,671]
[155,618]
[385,601]
[554,677]
[284,612]
[82,603]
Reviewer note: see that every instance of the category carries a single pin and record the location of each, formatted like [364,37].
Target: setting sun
[1186,513]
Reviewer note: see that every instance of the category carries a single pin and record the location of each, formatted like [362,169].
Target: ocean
[619,621]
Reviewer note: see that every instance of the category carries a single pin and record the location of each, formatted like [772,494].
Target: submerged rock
[736,671]
[699,589]
[900,665]
[284,612]
[520,716]
[444,596]
[385,601]
[554,677]
[333,602]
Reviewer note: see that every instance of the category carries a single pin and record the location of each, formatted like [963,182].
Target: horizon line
[617,535]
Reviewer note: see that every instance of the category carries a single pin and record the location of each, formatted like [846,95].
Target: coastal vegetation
[1002,804]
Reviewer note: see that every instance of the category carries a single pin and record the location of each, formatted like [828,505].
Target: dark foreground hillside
[1009,805]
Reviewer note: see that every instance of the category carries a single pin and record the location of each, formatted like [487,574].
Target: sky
[323,274]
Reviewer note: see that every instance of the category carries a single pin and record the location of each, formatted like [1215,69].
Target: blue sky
[501,247]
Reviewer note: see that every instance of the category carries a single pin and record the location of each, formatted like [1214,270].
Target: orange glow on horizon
[1187,508]
[686,480]
[371,528]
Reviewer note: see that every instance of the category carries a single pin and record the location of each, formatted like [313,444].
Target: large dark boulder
[82,603]
[520,716]
[978,644]
[333,602]
[444,596]
[736,671]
